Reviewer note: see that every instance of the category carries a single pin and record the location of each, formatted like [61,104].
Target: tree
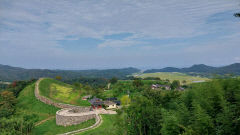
[175,84]
[184,81]
[58,77]
[137,83]
[113,80]
[7,102]
[125,100]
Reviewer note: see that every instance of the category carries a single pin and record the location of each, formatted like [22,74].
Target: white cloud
[119,43]
[32,27]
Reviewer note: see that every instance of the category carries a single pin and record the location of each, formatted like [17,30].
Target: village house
[110,105]
[157,86]
[114,99]
[96,103]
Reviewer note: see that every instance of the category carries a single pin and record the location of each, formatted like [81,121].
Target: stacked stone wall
[73,120]
[66,120]
[50,102]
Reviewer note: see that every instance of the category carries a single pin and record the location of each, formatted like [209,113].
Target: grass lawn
[50,127]
[27,103]
[61,92]
[174,76]
[106,128]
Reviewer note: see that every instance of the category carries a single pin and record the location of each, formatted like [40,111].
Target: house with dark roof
[114,99]
[111,99]
[96,103]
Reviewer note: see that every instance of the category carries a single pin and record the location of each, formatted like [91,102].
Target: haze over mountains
[201,68]
[9,73]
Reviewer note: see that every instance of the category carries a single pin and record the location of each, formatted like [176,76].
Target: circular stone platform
[74,116]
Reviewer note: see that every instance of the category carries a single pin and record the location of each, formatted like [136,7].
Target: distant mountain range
[201,68]
[9,73]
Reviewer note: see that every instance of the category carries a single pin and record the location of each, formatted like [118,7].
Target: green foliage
[92,81]
[138,83]
[113,80]
[7,104]
[17,86]
[58,78]
[175,84]
[125,100]
[17,125]
[208,108]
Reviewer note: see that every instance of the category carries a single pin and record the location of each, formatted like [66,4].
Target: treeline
[12,123]
[93,82]
[211,108]
[8,73]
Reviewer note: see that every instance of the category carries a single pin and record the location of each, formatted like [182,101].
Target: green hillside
[173,76]
[61,92]
[27,103]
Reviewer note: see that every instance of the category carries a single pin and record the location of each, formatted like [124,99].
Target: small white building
[110,105]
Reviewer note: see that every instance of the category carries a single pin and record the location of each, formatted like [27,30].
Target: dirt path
[42,121]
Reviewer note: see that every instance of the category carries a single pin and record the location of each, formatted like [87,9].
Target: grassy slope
[27,103]
[173,76]
[106,128]
[61,92]
[50,127]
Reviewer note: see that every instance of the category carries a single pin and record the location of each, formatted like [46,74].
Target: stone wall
[50,102]
[73,120]
[84,113]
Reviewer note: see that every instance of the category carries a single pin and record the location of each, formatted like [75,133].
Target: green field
[27,103]
[61,92]
[106,128]
[173,76]
[50,127]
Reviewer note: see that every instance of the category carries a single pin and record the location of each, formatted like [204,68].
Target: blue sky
[90,34]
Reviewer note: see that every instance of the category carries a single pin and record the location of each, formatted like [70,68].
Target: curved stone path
[60,105]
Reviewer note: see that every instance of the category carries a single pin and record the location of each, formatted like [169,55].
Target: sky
[100,34]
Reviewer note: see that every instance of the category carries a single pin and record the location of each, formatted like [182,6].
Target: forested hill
[201,68]
[8,73]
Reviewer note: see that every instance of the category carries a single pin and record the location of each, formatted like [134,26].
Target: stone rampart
[67,117]
[69,114]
